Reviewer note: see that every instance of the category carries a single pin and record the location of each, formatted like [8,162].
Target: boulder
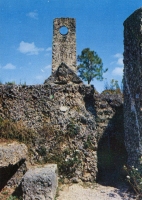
[40,183]
[12,153]
[12,163]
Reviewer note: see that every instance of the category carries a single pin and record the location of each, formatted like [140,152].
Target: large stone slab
[12,163]
[40,183]
[12,153]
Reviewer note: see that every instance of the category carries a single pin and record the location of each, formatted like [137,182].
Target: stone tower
[133,86]
[64,44]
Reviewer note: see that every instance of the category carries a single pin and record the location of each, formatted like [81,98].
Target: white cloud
[29,48]
[120,61]
[48,67]
[33,15]
[118,71]
[9,66]
[49,49]
[118,55]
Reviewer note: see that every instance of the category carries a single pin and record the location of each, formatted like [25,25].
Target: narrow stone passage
[112,156]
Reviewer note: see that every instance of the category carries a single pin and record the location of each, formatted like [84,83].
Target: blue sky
[26,30]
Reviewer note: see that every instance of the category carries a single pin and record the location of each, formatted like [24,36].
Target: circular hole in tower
[63,30]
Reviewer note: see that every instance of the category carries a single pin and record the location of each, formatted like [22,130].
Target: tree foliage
[90,66]
[113,87]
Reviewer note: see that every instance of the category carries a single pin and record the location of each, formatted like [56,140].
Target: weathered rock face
[68,120]
[111,152]
[12,163]
[40,183]
[62,120]
[63,124]
[108,107]
[63,75]
[133,86]
[64,45]
[12,153]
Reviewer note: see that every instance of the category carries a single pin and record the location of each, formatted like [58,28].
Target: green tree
[112,88]
[10,83]
[90,66]
[114,85]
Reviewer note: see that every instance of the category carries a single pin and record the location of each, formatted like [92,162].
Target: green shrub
[88,144]
[42,151]
[72,130]
[116,91]
[113,87]
[14,198]
[134,178]
[10,83]
[69,164]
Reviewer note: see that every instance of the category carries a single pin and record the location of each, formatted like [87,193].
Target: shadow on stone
[63,75]
[6,173]
[112,155]
[89,99]
[18,192]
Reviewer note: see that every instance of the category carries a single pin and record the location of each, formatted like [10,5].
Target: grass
[13,198]
[16,131]
[66,158]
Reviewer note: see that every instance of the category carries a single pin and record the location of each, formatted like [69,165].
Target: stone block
[12,163]
[12,153]
[40,183]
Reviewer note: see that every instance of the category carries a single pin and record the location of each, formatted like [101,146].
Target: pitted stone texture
[12,163]
[64,46]
[12,153]
[52,108]
[63,75]
[40,183]
[42,109]
[133,86]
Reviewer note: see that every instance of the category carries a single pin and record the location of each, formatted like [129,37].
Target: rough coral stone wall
[109,114]
[69,120]
[65,128]
[133,86]
[64,45]
[111,152]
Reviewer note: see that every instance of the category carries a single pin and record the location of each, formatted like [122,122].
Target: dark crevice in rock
[89,100]
[112,155]
[6,173]
[18,192]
